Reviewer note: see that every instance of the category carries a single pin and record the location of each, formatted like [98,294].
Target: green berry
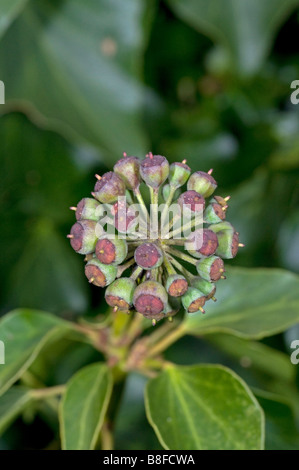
[178,174]
[202,243]
[228,240]
[202,182]
[120,293]
[211,268]
[193,300]
[111,250]
[154,170]
[148,256]
[109,187]
[83,237]
[100,274]
[214,213]
[87,209]
[206,287]
[191,201]
[150,298]
[176,285]
[128,169]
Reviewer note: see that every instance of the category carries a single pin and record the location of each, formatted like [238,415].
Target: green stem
[175,241]
[167,204]
[181,255]
[136,273]
[48,392]
[159,333]
[129,197]
[167,341]
[154,274]
[169,268]
[181,268]
[142,204]
[188,226]
[154,192]
[125,266]
[135,328]
[175,219]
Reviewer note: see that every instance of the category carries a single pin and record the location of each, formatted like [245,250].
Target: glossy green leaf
[34,204]
[203,407]
[79,64]
[281,429]
[24,333]
[245,27]
[132,429]
[83,407]
[252,303]
[288,242]
[49,264]
[256,355]
[12,403]
[9,9]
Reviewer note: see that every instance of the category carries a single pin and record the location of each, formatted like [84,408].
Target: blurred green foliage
[88,80]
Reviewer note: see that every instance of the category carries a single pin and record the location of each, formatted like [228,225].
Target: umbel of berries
[160,257]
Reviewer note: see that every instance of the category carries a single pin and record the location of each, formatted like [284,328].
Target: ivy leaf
[252,303]
[49,265]
[80,67]
[246,28]
[83,407]
[9,9]
[12,404]
[269,361]
[204,407]
[35,219]
[24,333]
[281,429]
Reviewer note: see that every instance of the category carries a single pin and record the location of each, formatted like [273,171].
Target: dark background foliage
[85,81]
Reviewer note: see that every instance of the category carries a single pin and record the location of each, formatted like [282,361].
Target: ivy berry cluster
[150,272]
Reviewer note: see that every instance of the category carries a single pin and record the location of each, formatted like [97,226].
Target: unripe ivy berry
[206,287]
[228,240]
[100,274]
[166,192]
[154,170]
[83,236]
[111,251]
[203,183]
[109,187]
[221,226]
[176,285]
[191,201]
[193,300]
[228,244]
[128,169]
[211,268]
[148,256]
[150,298]
[120,293]
[178,174]
[87,209]
[214,213]
[202,243]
